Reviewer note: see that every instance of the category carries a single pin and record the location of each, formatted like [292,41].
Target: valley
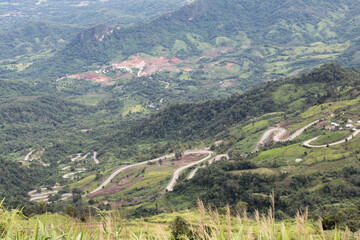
[204,119]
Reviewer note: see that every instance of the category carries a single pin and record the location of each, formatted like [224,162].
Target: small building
[349,126]
[334,124]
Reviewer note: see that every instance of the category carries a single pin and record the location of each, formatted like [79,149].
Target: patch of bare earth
[228,66]
[115,187]
[285,123]
[188,159]
[150,65]
[321,125]
[226,84]
[92,76]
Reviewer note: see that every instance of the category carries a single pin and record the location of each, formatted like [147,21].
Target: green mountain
[193,90]
[323,178]
[267,39]
[50,130]
[31,38]
[33,30]
[82,14]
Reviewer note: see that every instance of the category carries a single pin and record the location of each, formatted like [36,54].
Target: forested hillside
[53,130]
[16,180]
[267,34]
[33,30]
[205,119]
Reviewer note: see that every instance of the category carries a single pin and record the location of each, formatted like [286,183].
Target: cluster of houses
[349,125]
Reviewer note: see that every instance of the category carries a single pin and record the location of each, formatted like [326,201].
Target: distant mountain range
[276,38]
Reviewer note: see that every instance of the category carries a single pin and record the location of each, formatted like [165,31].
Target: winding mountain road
[95,159]
[280,132]
[176,176]
[211,161]
[307,143]
[78,170]
[114,174]
[179,170]
[27,156]
[77,156]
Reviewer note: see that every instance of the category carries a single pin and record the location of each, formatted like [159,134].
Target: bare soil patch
[115,187]
[188,159]
[321,125]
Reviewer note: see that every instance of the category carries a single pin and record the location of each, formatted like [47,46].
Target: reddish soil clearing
[228,66]
[320,125]
[226,84]
[214,52]
[150,65]
[92,76]
[115,187]
[188,159]
[175,60]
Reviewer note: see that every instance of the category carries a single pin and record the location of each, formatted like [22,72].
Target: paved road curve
[280,132]
[211,161]
[179,170]
[307,143]
[95,159]
[114,174]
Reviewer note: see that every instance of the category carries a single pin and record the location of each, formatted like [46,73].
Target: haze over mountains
[274,37]
[150,109]
[30,30]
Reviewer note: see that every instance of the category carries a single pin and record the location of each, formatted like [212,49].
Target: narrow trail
[139,73]
[307,143]
[85,156]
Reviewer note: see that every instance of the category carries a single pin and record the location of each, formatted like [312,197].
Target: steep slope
[199,120]
[324,178]
[32,38]
[16,180]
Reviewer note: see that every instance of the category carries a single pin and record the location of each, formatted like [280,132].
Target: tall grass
[210,225]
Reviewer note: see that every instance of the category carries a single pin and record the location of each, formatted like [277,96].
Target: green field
[331,137]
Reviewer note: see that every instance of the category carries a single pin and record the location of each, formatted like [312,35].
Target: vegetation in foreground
[203,223]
